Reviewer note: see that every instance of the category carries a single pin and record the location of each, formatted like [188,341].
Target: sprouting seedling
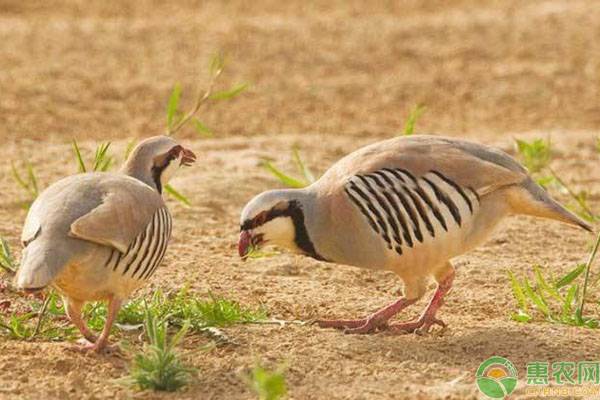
[411,121]
[267,384]
[28,182]
[102,160]
[559,301]
[177,119]
[7,261]
[287,180]
[159,366]
[536,154]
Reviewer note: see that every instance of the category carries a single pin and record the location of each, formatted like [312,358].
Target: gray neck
[142,171]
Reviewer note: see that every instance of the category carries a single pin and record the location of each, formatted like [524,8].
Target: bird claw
[358,326]
[84,346]
[368,327]
[419,327]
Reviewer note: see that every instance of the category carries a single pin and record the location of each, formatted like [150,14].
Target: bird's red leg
[102,343]
[74,314]
[428,319]
[377,320]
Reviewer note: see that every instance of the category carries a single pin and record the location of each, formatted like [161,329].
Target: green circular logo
[496,377]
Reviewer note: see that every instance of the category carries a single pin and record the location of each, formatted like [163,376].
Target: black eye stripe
[270,215]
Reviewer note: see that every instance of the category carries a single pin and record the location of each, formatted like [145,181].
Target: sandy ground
[329,77]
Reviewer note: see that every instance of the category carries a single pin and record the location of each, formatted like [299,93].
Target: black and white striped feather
[146,252]
[405,210]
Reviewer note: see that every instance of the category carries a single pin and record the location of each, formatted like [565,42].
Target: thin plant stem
[41,317]
[201,98]
[587,274]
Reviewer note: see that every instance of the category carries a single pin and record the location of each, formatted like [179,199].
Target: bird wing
[123,212]
[481,168]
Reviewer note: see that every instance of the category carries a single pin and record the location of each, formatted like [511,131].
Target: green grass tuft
[267,384]
[558,301]
[159,367]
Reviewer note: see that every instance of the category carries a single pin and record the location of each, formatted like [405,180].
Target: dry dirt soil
[329,76]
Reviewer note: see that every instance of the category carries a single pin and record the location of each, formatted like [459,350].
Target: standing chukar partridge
[407,205]
[100,236]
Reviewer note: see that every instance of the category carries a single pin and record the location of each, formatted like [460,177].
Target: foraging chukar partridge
[100,236]
[407,205]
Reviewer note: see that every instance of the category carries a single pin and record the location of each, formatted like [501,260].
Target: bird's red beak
[188,157]
[244,244]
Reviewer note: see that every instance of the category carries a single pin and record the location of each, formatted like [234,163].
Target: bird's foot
[85,346]
[420,326]
[356,326]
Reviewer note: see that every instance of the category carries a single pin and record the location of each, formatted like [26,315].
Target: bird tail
[535,201]
[39,266]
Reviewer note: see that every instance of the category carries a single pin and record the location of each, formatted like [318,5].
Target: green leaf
[202,129]
[569,302]
[542,284]
[176,195]
[283,178]
[518,291]
[80,162]
[268,385]
[536,299]
[521,316]
[217,63]
[102,161]
[173,105]
[6,259]
[535,154]
[229,94]
[570,277]
[32,179]
[308,176]
[545,181]
[413,116]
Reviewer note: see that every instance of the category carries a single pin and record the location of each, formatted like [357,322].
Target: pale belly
[104,273]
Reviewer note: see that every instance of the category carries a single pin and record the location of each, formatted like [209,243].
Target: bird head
[155,160]
[271,218]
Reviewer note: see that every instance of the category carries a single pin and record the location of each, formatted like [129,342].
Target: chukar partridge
[407,205]
[100,236]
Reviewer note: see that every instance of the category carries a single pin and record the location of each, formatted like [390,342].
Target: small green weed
[7,262]
[536,154]
[28,182]
[559,301]
[159,367]
[102,160]
[306,178]
[178,309]
[267,384]
[176,119]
